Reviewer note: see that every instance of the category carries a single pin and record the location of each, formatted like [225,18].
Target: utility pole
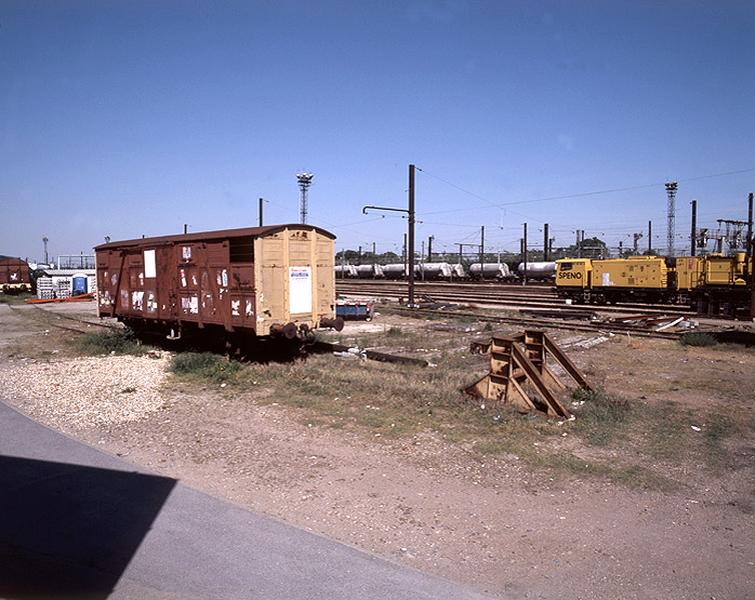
[693,229]
[403,255]
[260,211]
[411,236]
[546,253]
[374,250]
[749,223]
[482,252]
[410,250]
[524,255]
[186,228]
[671,187]
[650,237]
[430,248]
[461,253]
[749,245]
[359,256]
[579,244]
[422,260]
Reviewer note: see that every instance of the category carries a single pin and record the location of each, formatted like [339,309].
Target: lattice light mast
[671,216]
[305,180]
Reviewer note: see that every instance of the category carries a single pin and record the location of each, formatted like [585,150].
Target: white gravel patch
[86,392]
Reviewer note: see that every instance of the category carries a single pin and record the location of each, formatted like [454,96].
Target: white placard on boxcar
[299,290]
[150,269]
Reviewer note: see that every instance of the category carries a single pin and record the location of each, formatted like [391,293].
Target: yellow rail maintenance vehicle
[632,279]
[573,279]
[722,283]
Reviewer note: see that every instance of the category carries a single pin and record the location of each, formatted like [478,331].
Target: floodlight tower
[671,216]
[305,180]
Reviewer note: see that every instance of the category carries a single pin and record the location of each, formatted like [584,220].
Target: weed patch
[601,417]
[110,341]
[718,428]
[15,298]
[204,366]
[697,339]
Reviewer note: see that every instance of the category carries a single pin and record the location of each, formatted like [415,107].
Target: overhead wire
[565,196]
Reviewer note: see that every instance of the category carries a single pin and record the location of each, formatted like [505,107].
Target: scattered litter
[670,324]
[696,428]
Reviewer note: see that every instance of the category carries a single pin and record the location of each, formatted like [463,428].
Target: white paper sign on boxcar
[299,290]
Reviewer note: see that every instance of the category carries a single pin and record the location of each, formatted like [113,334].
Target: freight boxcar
[14,275]
[234,285]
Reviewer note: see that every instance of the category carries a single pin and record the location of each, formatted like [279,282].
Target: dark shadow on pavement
[69,530]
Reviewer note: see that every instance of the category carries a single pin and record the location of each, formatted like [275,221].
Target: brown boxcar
[257,281]
[14,275]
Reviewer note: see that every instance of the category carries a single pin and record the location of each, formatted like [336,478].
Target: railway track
[49,318]
[511,296]
[543,323]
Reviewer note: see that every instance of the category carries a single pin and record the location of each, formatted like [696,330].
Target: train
[234,285]
[713,284]
[15,275]
[442,271]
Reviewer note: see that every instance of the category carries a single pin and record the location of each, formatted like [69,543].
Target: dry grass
[623,439]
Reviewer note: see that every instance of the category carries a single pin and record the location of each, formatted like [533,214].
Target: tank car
[346,271]
[538,270]
[498,271]
[395,271]
[233,285]
[370,271]
[436,271]
[458,271]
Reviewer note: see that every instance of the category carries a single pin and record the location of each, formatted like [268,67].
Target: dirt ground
[657,504]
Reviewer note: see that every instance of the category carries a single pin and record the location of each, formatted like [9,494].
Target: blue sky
[131,118]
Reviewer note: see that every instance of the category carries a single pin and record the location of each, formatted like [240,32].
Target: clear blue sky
[131,118]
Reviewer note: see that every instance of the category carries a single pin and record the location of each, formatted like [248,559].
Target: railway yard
[646,493]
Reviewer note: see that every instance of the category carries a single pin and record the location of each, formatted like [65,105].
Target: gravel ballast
[87,392]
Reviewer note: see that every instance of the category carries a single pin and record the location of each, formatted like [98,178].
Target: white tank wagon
[490,271]
[346,271]
[437,271]
[370,271]
[395,271]
[458,271]
[538,270]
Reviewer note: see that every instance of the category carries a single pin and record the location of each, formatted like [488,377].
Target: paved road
[76,522]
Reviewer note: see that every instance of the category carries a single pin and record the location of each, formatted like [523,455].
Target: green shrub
[697,339]
[204,365]
[394,332]
[118,341]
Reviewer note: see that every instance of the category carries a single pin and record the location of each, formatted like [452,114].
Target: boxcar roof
[12,260]
[201,236]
